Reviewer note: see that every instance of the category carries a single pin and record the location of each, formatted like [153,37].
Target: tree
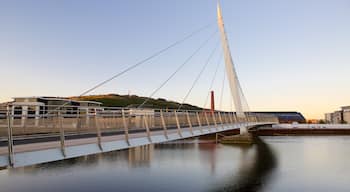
[321,121]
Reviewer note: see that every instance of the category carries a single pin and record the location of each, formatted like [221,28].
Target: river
[279,163]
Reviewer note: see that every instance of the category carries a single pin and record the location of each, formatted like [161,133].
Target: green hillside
[115,100]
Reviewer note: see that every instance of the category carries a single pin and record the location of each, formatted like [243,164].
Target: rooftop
[57,99]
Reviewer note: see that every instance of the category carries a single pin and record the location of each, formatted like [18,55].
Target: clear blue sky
[289,55]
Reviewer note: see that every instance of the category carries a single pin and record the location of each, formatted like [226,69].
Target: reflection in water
[304,164]
[62,165]
[176,145]
[252,178]
[135,157]
[254,165]
[210,156]
[140,156]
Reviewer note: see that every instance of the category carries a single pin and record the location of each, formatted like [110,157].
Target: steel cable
[178,69]
[199,75]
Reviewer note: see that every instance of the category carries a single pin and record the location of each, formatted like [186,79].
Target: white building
[34,107]
[337,117]
[328,117]
[346,114]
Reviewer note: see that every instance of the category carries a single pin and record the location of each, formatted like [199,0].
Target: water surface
[298,163]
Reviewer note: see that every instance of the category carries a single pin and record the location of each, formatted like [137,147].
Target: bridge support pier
[217,137]
[243,138]
[238,139]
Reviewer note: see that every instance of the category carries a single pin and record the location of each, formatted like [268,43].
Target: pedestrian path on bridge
[65,136]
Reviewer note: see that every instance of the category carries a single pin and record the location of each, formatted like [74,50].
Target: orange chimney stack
[212,103]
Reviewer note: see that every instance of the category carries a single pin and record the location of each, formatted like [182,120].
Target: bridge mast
[230,69]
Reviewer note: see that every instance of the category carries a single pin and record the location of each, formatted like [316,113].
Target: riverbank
[303,129]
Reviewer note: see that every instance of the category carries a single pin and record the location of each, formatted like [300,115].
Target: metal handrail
[99,121]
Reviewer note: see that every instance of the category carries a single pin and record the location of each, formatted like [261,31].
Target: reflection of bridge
[62,133]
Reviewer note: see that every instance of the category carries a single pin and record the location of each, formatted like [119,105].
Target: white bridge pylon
[235,87]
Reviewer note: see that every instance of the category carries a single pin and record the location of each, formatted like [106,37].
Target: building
[284,116]
[340,116]
[40,107]
[337,117]
[346,114]
[328,118]
[3,110]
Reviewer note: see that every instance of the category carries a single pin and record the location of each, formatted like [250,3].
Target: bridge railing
[63,123]
[73,119]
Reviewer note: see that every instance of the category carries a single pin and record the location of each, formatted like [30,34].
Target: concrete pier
[238,139]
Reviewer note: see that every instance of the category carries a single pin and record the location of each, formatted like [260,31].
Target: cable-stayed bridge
[56,132]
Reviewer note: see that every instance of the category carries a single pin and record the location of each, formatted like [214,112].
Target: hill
[115,100]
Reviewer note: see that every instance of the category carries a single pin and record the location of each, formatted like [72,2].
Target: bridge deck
[40,152]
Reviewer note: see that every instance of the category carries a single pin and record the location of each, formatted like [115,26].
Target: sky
[289,55]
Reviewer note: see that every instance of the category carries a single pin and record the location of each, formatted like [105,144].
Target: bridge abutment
[246,138]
